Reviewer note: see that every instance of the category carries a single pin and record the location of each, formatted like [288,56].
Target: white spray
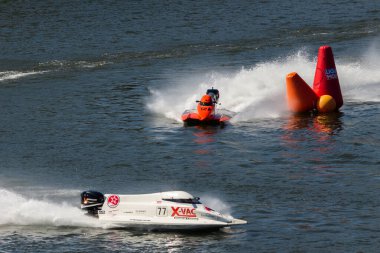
[216,204]
[260,91]
[19,210]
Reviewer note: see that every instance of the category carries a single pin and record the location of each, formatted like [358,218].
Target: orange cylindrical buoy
[301,98]
[326,80]
[326,103]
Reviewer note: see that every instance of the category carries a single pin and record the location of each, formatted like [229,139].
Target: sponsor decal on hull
[113,201]
[187,212]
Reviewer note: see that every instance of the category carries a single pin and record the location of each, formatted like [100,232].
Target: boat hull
[162,226]
[192,118]
[175,210]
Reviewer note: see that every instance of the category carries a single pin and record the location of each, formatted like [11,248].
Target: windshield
[185,201]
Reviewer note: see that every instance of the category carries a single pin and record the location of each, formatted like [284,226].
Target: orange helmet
[206,100]
[205,107]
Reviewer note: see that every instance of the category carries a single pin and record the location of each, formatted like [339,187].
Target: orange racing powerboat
[206,113]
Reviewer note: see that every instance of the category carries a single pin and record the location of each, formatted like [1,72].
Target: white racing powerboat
[172,210]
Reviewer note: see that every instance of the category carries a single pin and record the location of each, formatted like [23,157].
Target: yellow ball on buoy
[326,103]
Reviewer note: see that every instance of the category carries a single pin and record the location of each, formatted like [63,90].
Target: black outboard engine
[92,201]
[214,93]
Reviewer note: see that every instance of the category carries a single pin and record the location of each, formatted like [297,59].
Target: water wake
[51,66]
[260,92]
[10,75]
[20,210]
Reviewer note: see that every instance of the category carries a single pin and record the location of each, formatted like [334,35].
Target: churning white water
[260,92]
[21,210]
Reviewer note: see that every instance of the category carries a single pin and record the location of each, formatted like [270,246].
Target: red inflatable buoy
[326,80]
